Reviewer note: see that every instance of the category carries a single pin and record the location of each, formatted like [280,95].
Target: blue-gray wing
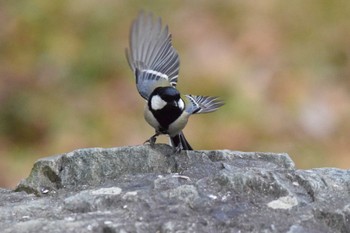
[202,104]
[151,55]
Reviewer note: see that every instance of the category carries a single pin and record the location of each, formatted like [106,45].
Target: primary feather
[202,104]
[151,56]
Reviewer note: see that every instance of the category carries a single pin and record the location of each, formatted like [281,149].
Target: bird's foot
[177,149]
[152,140]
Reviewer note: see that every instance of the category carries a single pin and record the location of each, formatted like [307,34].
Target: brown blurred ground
[282,67]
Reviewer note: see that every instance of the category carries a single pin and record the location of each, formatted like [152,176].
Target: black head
[168,94]
[166,106]
[165,97]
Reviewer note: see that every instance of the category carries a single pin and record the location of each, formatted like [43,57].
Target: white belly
[174,128]
[177,126]
[150,118]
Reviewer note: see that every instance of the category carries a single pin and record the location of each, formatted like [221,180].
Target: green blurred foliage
[281,67]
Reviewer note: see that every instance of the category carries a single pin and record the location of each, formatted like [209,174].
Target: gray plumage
[202,104]
[151,56]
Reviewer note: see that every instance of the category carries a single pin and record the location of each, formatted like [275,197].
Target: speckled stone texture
[144,189]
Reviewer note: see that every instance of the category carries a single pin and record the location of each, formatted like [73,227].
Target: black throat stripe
[166,115]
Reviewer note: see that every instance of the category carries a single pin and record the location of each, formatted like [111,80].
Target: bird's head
[166,97]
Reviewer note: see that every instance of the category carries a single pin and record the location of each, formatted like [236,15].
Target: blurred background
[282,68]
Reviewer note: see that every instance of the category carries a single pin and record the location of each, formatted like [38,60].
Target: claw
[152,140]
[177,150]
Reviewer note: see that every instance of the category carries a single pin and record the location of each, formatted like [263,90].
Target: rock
[144,189]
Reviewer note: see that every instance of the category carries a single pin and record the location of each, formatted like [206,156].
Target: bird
[155,64]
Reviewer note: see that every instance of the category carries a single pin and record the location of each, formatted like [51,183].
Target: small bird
[155,64]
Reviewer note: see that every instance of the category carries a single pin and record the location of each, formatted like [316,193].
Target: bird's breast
[179,124]
[167,119]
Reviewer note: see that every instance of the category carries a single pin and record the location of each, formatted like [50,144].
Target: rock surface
[143,189]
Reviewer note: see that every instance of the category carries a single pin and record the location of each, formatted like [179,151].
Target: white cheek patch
[181,104]
[157,103]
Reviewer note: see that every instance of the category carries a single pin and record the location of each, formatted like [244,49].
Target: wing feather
[202,104]
[151,55]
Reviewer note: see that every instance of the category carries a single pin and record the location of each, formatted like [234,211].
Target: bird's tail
[179,141]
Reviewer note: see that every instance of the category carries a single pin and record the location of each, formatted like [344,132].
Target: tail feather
[179,141]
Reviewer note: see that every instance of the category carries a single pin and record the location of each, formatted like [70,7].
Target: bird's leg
[177,149]
[175,143]
[152,140]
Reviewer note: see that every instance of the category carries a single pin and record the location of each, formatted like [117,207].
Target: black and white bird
[155,64]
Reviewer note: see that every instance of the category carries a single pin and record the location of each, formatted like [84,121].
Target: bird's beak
[175,103]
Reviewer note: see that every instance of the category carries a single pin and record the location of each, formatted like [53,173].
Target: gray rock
[144,189]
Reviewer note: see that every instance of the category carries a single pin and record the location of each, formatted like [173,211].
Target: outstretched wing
[202,104]
[151,56]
